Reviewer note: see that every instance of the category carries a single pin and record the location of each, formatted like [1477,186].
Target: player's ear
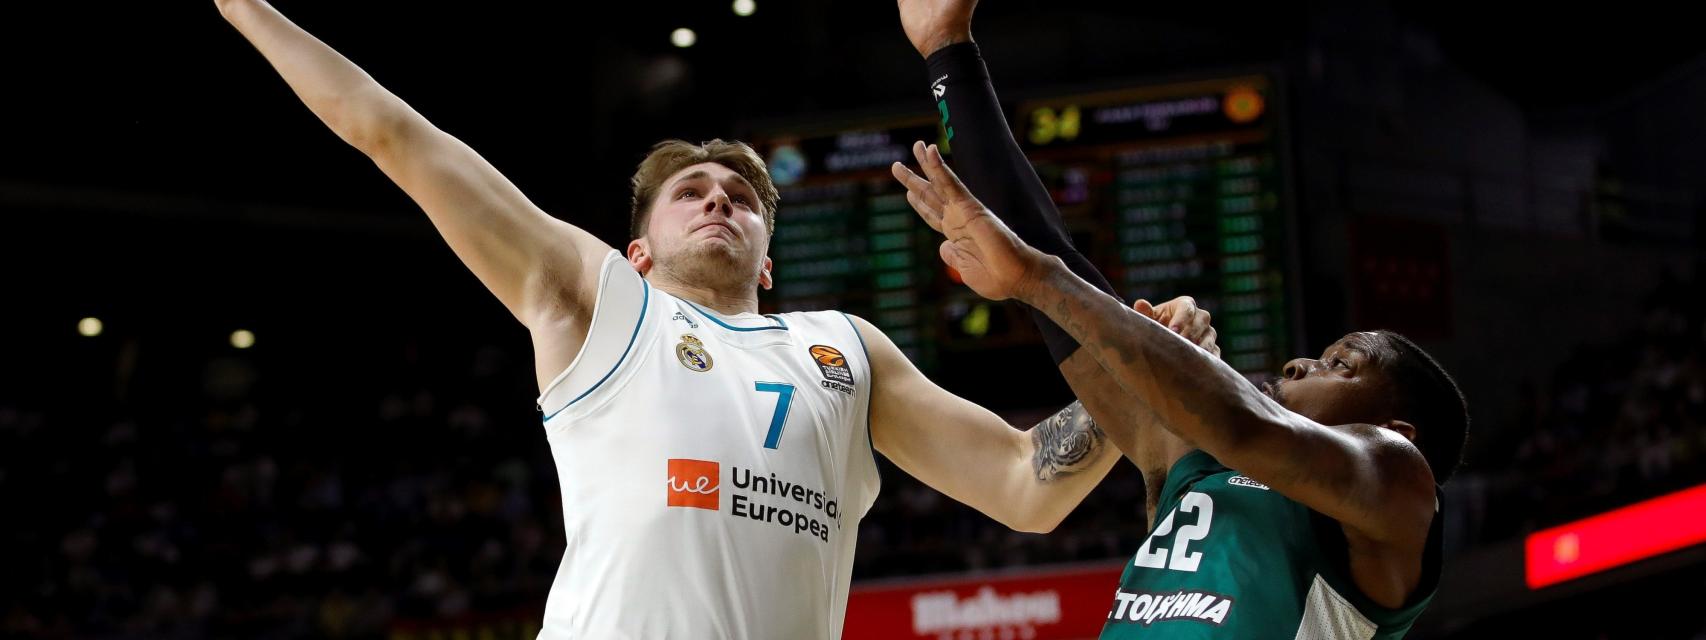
[1403,428]
[640,255]
[764,279]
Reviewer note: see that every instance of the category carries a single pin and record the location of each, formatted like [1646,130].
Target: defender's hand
[989,257]
[1184,317]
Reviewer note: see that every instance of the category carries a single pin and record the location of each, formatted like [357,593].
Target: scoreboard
[1170,189]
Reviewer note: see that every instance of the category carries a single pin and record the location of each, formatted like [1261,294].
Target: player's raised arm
[997,171]
[541,268]
[1370,479]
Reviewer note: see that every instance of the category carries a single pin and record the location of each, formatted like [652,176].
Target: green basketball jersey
[1230,558]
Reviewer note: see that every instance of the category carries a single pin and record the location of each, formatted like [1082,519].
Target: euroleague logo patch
[836,374]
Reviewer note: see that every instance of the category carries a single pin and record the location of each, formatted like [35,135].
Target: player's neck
[724,302]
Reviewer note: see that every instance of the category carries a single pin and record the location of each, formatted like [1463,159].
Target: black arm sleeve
[993,167]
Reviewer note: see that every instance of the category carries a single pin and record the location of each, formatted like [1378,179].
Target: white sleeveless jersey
[714,470]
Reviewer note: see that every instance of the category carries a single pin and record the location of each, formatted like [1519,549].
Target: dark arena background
[247,392]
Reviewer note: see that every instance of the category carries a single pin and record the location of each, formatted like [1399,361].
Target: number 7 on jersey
[784,397]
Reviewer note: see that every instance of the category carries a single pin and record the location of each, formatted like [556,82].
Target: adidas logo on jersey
[1149,608]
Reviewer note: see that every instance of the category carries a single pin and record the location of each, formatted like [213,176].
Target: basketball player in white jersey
[714,462]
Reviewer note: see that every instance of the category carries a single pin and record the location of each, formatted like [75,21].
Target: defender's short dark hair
[1428,398]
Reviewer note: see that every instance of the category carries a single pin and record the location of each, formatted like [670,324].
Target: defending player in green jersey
[1232,558]
[1307,508]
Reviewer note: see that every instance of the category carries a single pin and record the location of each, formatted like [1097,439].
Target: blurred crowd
[1619,420]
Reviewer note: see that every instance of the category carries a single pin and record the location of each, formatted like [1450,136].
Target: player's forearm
[356,108]
[1068,456]
[979,140]
[1121,417]
[994,168]
[1027,480]
[1194,395]
[987,157]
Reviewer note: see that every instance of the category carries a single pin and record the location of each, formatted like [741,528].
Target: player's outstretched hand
[990,258]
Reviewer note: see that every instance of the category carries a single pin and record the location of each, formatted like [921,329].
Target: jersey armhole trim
[1335,571]
[645,302]
[869,443]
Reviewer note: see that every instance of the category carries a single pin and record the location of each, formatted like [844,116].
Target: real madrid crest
[691,352]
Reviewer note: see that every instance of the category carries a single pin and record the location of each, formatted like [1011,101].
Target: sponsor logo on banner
[1059,603]
[939,611]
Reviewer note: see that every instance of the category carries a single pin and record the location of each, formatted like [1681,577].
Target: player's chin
[720,247]
[722,242]
[719,253]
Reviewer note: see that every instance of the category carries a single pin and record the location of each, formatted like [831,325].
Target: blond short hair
[670,156]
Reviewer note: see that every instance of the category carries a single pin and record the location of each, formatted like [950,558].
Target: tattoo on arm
[1066,442]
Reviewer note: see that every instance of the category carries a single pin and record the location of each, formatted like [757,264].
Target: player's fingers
[1208,342]
[1200,326]
[921,153]
[931,216]
[919,190]
[948,185]
[1180,313]
[914,183]
[950,256]
[908,179]
[1142,306]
